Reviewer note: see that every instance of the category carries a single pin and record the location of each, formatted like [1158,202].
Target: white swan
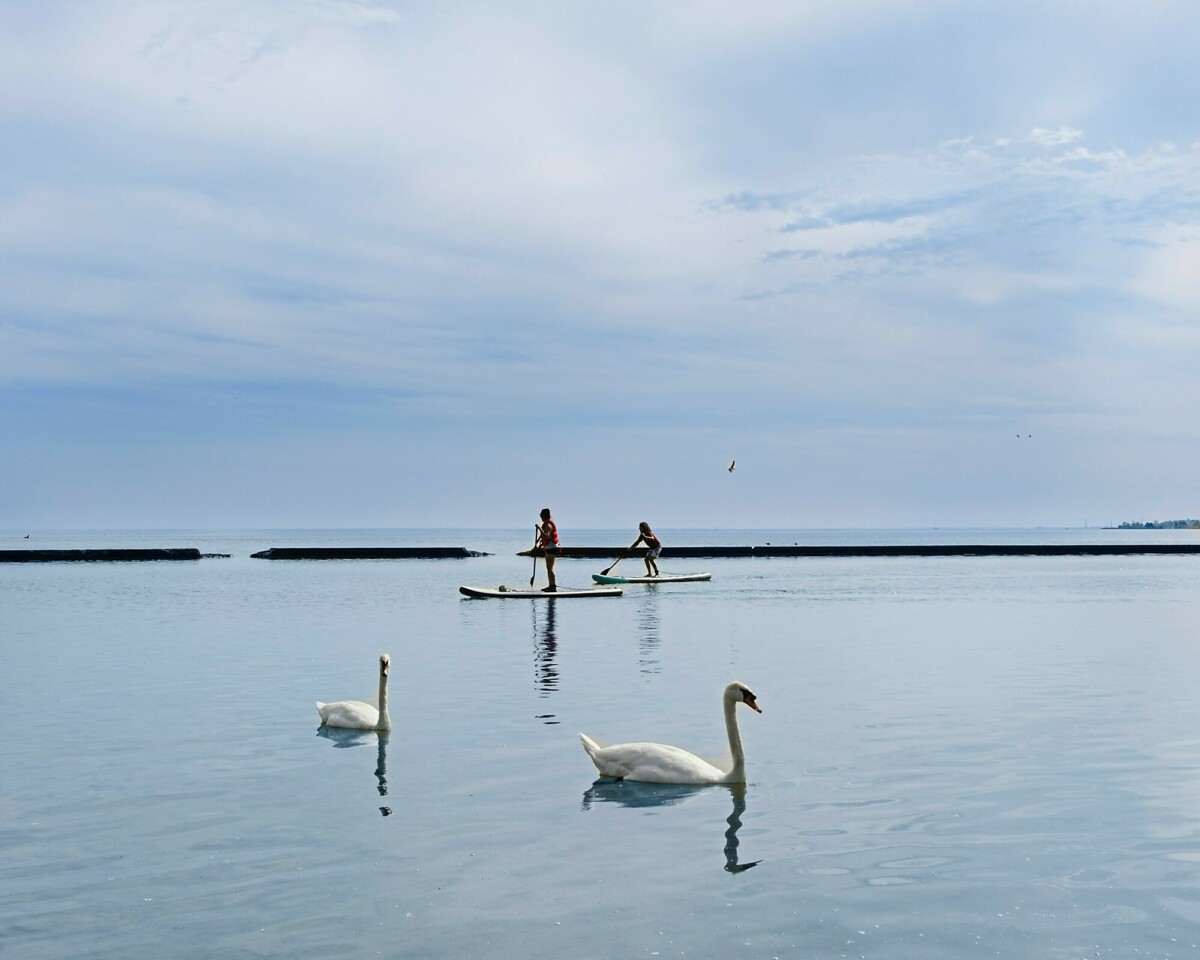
[662,763]
[361,714]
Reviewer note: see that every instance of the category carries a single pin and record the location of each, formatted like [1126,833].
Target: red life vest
[546,542]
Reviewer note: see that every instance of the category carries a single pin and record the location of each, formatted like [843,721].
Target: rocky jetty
[54,556]
[888,550]
[366,553]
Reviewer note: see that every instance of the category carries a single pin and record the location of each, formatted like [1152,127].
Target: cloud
[501,218]
[1168,271]
[1038,204]
[1054,138]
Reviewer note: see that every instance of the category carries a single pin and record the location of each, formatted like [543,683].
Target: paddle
[536,531]
[604,572]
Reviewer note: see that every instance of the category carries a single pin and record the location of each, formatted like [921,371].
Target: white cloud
[1168,272]
[994,219]
[786,212]
[1055,138]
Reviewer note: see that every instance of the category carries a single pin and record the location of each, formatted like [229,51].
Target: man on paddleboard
[548,541]
[653,547]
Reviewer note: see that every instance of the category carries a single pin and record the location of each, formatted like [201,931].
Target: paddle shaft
[536,532]
[629,552]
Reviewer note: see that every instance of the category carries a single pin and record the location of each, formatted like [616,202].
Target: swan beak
[749,701]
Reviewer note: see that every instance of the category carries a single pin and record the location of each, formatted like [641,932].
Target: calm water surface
[957,757]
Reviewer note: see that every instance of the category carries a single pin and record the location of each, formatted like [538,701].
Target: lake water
[957,757]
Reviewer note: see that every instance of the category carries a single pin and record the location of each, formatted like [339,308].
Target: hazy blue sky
[370,263]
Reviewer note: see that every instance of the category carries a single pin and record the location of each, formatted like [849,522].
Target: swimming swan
[661,763]
[361,714]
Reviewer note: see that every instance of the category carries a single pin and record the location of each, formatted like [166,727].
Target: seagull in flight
[731,463]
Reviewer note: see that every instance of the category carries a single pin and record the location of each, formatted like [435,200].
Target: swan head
[739,692]
[385,664]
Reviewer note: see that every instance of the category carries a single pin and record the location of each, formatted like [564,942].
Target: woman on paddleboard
[548,541]
[653,547]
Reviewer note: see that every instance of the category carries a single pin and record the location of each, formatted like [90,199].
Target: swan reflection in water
[633,793]
[343,738]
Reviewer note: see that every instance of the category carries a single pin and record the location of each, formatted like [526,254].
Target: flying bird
[731,463]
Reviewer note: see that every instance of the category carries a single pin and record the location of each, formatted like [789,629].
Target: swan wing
[651,763]
[353,714]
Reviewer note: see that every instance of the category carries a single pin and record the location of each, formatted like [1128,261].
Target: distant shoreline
[1159,525]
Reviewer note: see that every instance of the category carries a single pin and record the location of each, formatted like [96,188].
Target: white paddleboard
[526,593]
[665,578]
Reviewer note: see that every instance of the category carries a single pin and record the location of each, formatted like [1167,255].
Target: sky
[370,263]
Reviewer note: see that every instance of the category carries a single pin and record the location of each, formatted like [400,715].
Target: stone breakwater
[366,553]
[613,553]
[887,550]
[52,556]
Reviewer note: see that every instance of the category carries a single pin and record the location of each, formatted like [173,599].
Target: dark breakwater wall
[892,550]
[981,550]
[366,553]
[50,556]
[611,553]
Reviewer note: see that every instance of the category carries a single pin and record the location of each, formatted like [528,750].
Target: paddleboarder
[548,541]
[653,547]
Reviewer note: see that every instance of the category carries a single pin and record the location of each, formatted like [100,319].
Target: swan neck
[738,773]
[385,721]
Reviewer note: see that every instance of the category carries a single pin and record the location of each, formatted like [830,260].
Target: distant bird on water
[731,463]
